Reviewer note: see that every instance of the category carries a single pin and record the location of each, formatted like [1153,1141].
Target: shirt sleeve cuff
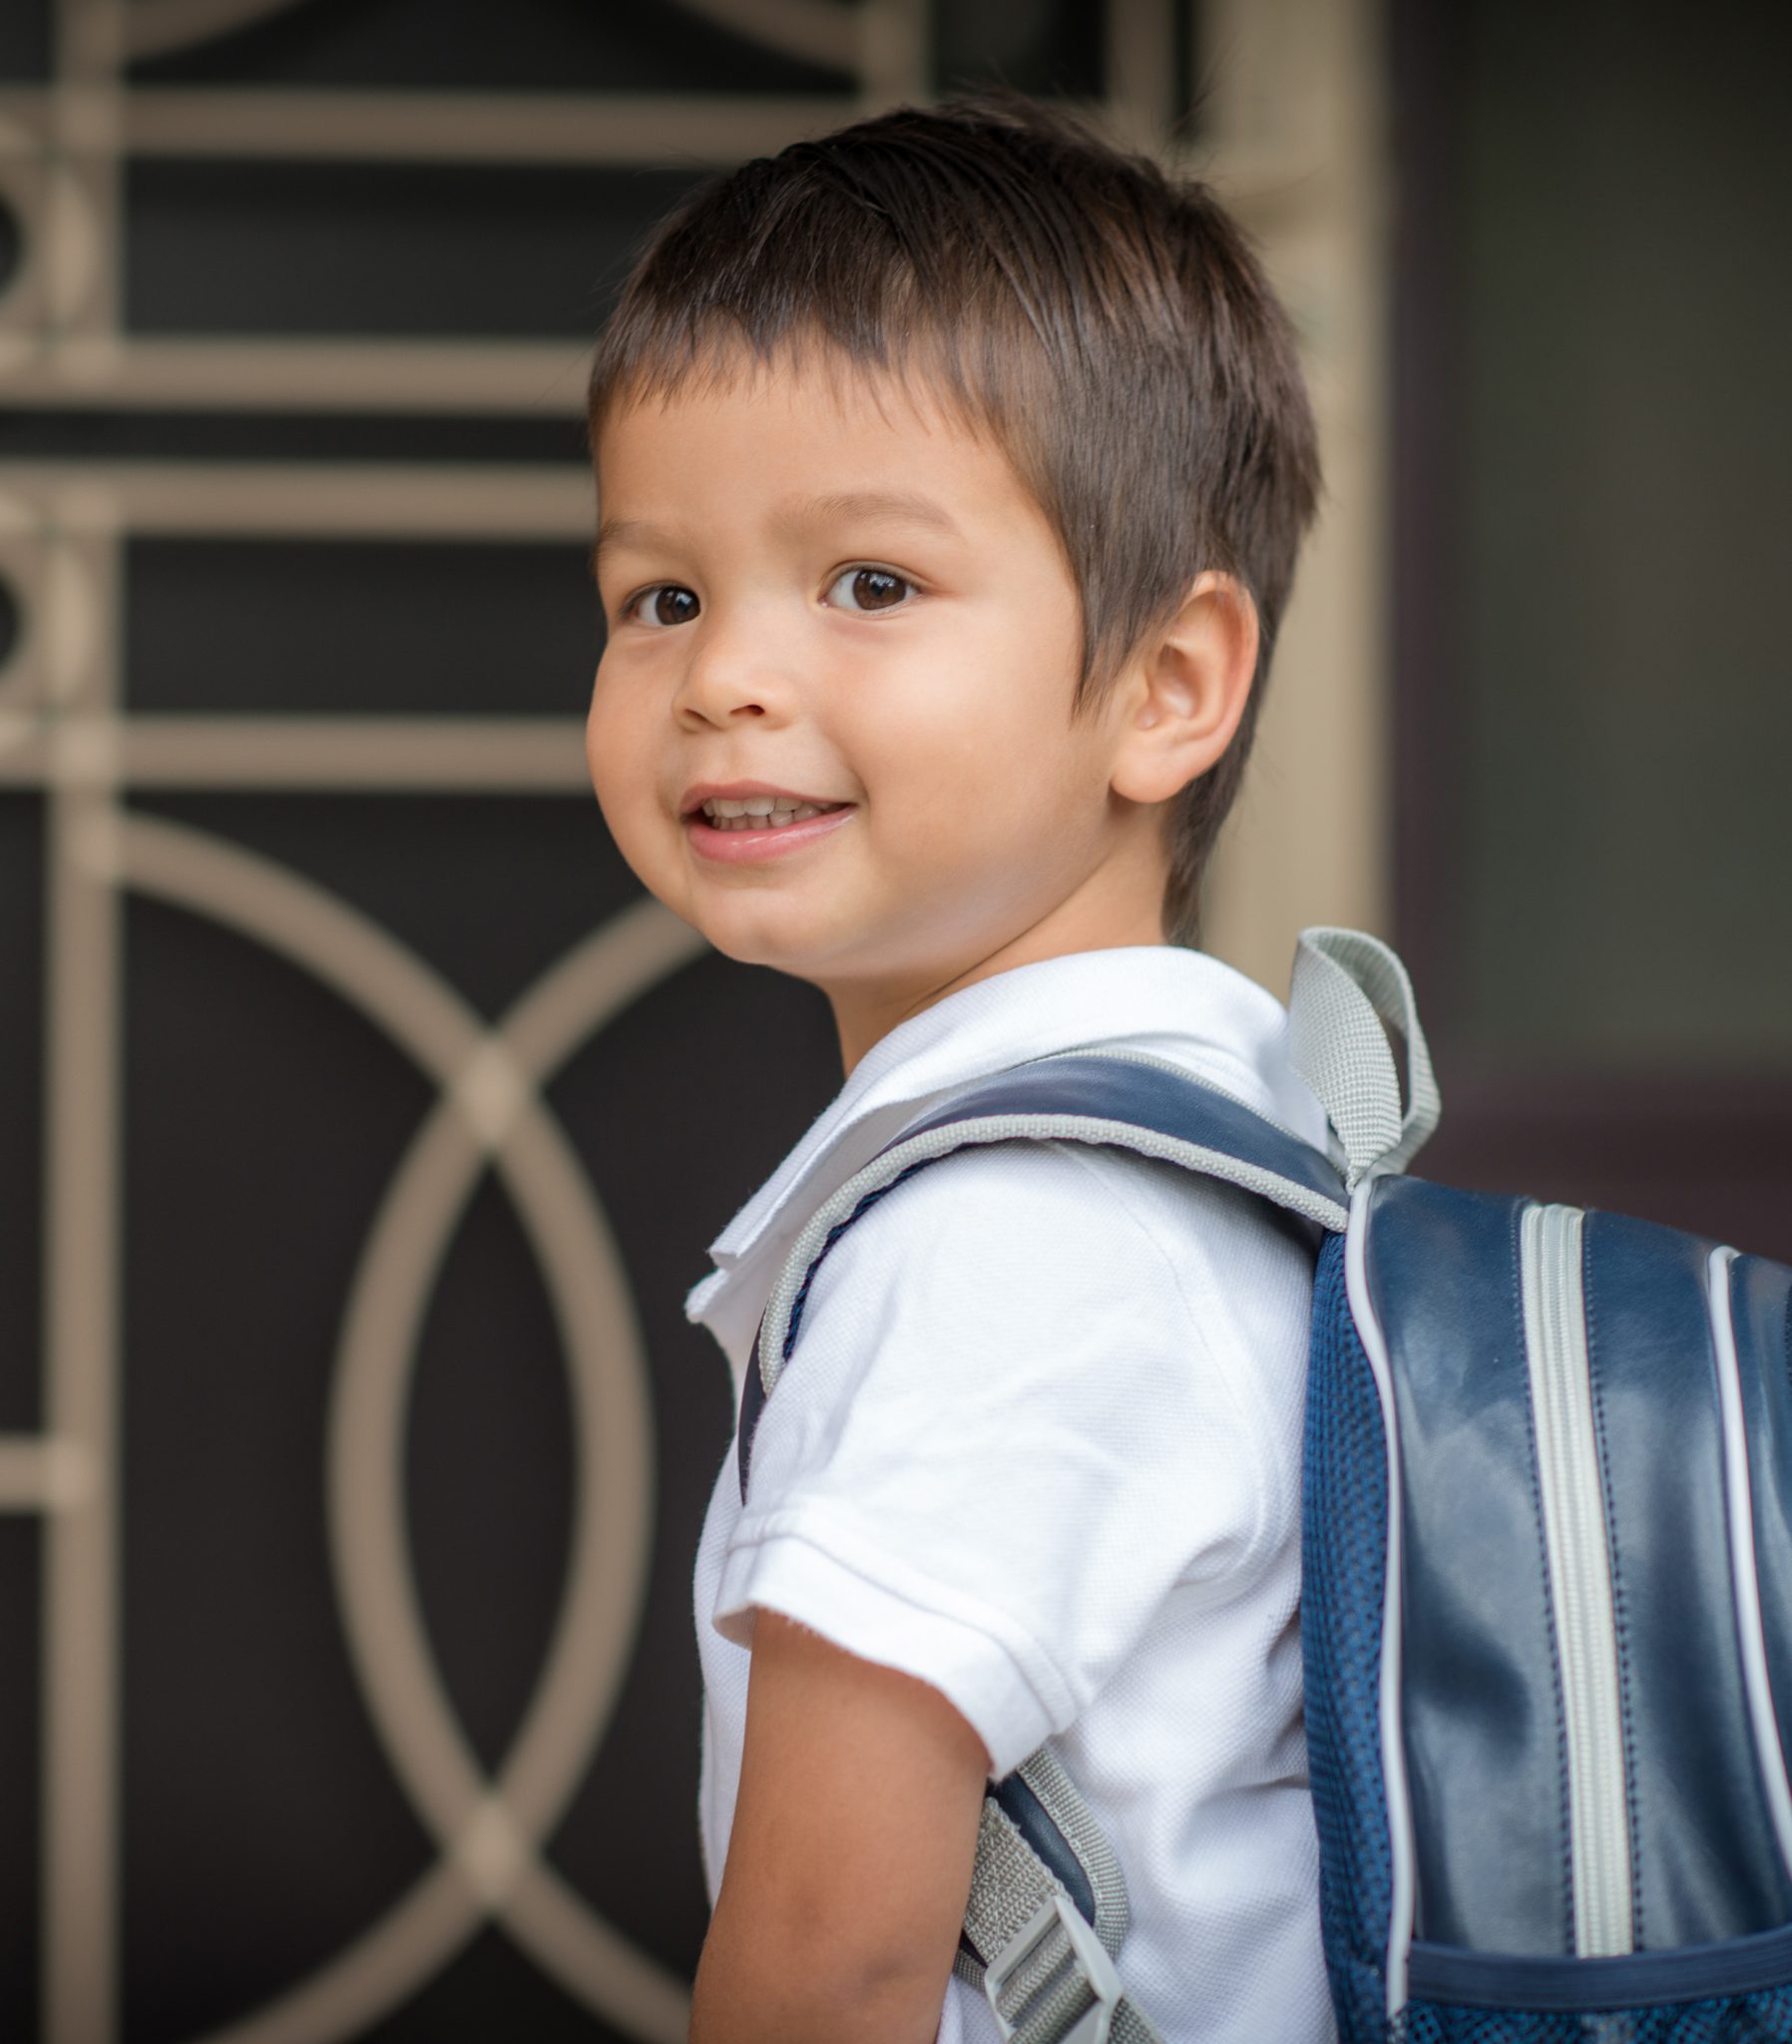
[867,1604]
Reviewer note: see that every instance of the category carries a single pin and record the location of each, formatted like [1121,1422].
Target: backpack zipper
[1744,1572]
[1578,1562]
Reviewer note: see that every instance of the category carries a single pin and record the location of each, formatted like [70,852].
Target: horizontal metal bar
[285,500]
[492,756]
[535,378]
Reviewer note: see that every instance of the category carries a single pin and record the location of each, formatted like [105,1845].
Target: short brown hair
[1106,324]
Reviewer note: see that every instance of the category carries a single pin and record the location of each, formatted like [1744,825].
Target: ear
[1182,699]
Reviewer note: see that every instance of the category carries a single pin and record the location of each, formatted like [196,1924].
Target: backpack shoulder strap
[1122,1099]
[1349,994]
[1355,1036]
[1048,1906]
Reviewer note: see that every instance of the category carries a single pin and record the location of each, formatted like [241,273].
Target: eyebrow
[907,506]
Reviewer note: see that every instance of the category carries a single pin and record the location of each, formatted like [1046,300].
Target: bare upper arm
[849,1861]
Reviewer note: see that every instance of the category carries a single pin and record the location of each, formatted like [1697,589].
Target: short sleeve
[1003,1435]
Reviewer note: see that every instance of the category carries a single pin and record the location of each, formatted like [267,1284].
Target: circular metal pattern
[491,1113]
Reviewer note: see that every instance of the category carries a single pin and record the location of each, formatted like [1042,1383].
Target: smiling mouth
[760,812]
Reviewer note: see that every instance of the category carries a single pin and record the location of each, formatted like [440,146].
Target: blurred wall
[1591,449]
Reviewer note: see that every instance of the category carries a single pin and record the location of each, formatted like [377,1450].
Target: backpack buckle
[1055,1947]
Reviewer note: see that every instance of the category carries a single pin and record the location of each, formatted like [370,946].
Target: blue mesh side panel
[1344,1561]
[1764,2018]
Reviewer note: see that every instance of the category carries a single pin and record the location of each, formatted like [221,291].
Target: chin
[759,940]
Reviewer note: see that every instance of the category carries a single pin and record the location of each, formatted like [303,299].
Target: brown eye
[667,604]
[873,589]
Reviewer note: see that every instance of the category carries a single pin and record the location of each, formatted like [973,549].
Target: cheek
[599,747]
[988,758]
[616,754]
[990,803]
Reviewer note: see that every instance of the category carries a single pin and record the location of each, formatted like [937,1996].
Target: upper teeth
[755,811]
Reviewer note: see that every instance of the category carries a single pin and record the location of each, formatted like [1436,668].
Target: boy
[951,472]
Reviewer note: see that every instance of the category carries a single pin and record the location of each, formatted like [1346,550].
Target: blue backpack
[1546,1598]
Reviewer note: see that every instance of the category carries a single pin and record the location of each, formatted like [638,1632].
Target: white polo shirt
[1039,1444]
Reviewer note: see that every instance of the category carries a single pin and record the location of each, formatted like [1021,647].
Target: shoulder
[1032,1248]
[1061,1217]
[1084,1279]
[1022,1215]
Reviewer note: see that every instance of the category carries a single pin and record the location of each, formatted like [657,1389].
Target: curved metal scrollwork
[490,1112]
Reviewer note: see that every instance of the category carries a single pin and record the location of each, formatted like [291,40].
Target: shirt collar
[1180,1004]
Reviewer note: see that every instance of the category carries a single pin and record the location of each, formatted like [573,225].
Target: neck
[866,1010]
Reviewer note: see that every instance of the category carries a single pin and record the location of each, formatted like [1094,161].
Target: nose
[729,682]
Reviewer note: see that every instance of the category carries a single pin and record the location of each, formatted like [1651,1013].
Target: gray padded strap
[897,1159]
[1346,986]
[1046,1998]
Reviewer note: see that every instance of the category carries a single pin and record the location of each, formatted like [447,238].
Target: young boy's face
[779,625]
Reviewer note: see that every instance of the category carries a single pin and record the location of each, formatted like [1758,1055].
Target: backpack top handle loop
[1349,991]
